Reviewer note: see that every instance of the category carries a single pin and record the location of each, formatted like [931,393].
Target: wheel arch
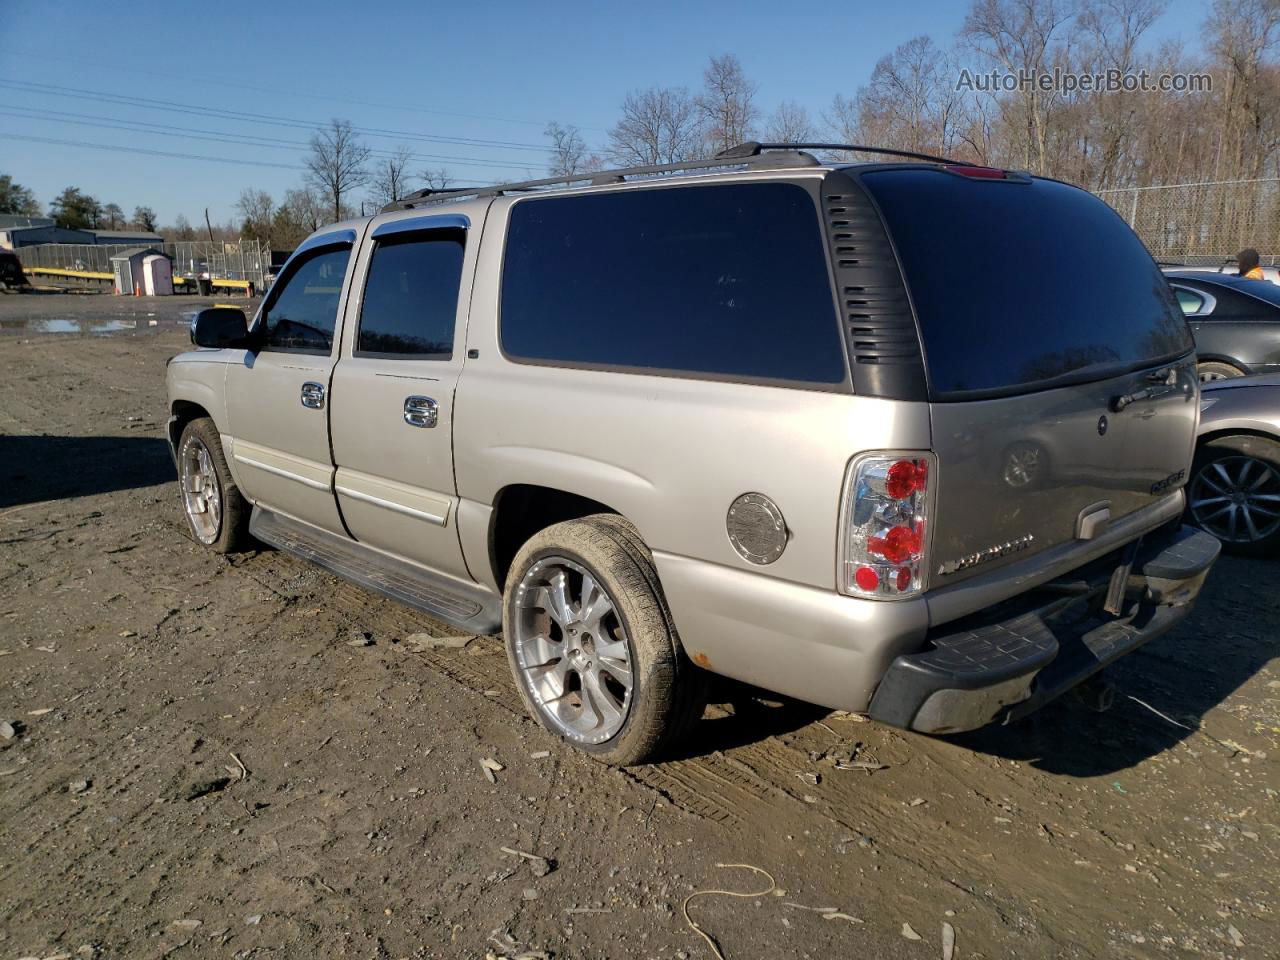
[1225,432]
[182,412]
[520,510]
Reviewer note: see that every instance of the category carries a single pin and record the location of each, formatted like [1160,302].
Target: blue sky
[495,72]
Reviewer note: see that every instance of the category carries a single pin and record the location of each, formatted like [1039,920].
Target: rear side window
[1016,284]
[303,307]
[1236,305]
[1188,300]
[729,281]
[411,297]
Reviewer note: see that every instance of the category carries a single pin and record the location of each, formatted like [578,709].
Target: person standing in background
[1247,260]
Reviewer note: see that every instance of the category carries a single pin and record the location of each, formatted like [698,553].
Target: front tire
[1234,493]
[217,514]
[1210,370]
[591,643]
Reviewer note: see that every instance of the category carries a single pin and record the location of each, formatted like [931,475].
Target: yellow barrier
[92,275]
[58,272]
[216,281]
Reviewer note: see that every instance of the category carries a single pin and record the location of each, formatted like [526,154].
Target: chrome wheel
[201,492]
[1208,376]
[572,651]
[1237,499]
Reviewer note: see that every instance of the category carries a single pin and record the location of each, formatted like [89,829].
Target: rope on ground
[684,908]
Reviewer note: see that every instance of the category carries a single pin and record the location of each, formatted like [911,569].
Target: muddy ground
[141,671]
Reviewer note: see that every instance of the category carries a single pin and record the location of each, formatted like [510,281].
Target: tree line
[337,168]
[74,209]
[915,99]
[1227,128]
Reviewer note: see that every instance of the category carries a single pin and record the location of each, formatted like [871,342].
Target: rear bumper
[1004,663]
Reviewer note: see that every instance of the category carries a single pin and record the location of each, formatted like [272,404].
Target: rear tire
[1237,475]
[217,514]
[1216,370]
[615,685]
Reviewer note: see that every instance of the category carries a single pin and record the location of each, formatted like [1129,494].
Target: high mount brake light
[884,525]
[982,173]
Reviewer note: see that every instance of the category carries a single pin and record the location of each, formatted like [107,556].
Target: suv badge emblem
[1102,425]
[987,555]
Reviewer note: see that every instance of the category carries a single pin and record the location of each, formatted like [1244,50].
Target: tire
[1244,466]
[568,682]
[223,524]
[1216,370]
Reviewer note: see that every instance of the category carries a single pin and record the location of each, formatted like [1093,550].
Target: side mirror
[220,327]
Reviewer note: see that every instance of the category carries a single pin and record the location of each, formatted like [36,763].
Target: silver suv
[900,438]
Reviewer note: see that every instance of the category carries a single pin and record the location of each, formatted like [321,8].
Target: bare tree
[439,179]
[257,214]
[726,105]
[658,125]
[299,215]
[789,123]
[842,119]
[336,166]
[1022,37]
[911,101]
[182,229]
[568,150]
[1243,35]
[390,179]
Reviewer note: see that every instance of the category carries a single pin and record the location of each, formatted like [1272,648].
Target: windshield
[1016,284]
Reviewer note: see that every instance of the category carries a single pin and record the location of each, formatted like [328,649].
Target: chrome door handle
[421,412]
[313,395]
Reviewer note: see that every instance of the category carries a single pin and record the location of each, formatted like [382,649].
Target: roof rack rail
[752,149]
[749,154]
[599,177]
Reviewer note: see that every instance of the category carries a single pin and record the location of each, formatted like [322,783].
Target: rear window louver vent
[883,343]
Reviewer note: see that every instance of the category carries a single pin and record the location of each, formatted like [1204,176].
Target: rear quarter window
[1015,284]
[727,281]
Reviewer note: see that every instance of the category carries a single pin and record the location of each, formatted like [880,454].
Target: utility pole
[207,225]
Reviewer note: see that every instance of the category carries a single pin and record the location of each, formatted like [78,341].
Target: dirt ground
[211,759]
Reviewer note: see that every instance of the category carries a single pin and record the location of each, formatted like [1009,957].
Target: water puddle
[70,325]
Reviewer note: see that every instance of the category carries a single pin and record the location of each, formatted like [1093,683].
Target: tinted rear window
[1263,290]
[1015,284]
[728,280]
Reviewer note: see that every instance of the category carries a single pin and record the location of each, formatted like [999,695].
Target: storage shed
[128,270]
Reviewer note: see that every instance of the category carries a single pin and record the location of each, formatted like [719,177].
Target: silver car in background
[1234,490]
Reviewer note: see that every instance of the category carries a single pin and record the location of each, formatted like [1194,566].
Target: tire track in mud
[943,853]
[706,787]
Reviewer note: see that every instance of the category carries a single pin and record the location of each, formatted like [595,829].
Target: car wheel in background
[217,514]
[1234,492]
[591,643]
[1214,370]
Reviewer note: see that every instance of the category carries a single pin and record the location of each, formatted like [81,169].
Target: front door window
[302,310]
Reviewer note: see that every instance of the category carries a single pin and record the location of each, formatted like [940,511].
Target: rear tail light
[884,525]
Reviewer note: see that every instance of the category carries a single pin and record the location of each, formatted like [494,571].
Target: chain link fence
[227,260]
[1203,223]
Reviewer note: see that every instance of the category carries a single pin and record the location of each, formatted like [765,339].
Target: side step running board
[475,609]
